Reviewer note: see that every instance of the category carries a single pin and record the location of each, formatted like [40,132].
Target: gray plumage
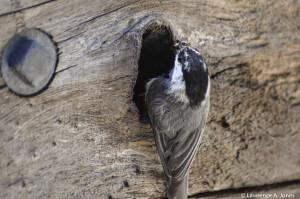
[177,120]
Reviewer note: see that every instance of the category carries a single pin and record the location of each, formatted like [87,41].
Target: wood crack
[107,13]
[26,8]
[62,70]
[94,18]
[128,30]
[226,69]
[2,86]
[71,37]
[117,79]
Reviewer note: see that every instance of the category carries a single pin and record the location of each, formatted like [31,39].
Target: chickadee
[178,107]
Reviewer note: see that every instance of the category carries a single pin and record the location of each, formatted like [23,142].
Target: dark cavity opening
[156,59]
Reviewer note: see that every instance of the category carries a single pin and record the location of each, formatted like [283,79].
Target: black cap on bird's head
[194,70]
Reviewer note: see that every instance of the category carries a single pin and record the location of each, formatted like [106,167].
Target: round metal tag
[28,62]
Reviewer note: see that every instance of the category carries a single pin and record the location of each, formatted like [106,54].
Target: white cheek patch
[177,83]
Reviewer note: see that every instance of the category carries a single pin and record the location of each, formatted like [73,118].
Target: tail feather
[178,190]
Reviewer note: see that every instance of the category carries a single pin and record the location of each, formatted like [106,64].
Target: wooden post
[81,137]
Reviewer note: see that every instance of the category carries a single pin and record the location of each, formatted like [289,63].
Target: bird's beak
[178,45]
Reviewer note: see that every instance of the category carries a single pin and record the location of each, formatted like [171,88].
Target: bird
[178,106]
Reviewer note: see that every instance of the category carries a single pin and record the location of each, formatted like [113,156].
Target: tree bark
[81,137]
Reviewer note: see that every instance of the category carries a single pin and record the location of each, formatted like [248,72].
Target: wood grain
[81,137]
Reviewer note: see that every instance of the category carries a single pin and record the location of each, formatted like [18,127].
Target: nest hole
[156,59]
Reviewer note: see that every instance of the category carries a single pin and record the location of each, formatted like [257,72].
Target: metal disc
[28,62]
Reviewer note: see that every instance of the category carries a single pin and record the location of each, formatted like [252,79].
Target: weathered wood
[81,137]
[289,190]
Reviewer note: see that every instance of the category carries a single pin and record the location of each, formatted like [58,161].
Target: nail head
[28,62]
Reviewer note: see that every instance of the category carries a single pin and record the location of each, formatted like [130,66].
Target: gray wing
[177,151]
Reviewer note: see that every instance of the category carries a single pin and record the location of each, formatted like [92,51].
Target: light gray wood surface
[81,137]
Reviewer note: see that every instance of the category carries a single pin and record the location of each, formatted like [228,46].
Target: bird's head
[189,76]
